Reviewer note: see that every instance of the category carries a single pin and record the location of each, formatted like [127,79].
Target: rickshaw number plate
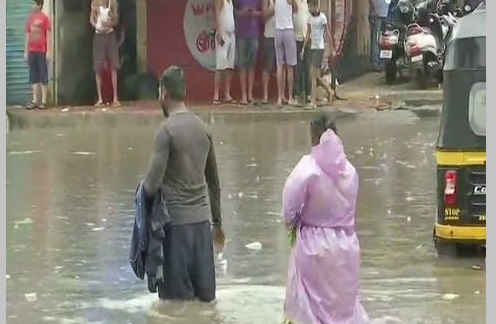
[417,58]
[387,54]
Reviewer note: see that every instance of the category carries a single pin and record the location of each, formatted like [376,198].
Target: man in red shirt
[37,53]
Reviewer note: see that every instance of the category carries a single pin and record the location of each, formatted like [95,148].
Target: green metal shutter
[18,87]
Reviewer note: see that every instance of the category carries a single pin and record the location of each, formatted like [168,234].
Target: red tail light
[450,192]
[415,51]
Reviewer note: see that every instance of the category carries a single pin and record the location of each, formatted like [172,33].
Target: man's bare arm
[93,16]
[267,9]
[212,178]
[158,162]
[294,4]
[218,4]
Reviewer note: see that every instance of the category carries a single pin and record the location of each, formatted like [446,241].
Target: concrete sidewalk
[366,94]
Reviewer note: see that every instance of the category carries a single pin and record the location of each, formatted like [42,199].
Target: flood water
[70,210]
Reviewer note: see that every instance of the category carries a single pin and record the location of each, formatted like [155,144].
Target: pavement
[365,94]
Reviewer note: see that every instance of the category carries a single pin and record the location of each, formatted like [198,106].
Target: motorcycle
[425,46]
[392,49]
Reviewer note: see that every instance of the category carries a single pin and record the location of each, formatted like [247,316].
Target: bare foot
[116,104]
[99,103]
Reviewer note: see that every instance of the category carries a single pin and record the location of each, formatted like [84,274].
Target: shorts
[38,68]
[105,49]
[285,47]
[316,57]
[269,52]
[189,269]
[247,51]
[225,55]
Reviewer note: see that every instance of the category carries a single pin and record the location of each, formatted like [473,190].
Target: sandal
[31,105]
[42,106]
[230,101]
[216,102]
[99,104]
[116,104]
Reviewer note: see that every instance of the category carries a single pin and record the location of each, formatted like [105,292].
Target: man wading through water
[184,167]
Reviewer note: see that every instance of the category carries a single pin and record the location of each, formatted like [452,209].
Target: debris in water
[476,267]
[60,135]
[7,276]
[104,109]
[358,152]
[65,109]
[240,194]
[251,165]
[130,148]
[83,153]
[419,247]
[450,296]
[104,219]
[221,142]
[98,229]
[477,292]
[31,297]
[90,224]
[25,221]
[389,211]
[229,196]
[24,152]
[408,219]
[409,198]
[257,179]
[223,265]
[273,213]
[254,246]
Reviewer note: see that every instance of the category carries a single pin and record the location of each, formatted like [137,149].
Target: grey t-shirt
[183,165]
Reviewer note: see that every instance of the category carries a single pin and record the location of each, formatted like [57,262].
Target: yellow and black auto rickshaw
[461,147]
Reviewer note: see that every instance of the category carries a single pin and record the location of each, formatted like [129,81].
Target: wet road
[70,212]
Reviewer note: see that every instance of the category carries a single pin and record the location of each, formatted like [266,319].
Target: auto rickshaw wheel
[390,72]
[444,248]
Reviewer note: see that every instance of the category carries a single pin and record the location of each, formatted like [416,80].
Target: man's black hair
[173,82]
[39,3]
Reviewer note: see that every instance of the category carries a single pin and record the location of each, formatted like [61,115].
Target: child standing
[37,53]
[316,31]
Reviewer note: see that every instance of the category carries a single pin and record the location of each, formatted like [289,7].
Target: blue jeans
[375,51]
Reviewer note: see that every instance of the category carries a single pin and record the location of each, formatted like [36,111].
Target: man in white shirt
[225,48]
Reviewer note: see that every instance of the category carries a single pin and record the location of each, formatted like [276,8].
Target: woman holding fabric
[319,204]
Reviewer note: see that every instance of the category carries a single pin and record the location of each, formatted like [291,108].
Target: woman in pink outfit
[319,204]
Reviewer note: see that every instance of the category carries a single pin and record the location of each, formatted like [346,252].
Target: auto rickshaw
[461,146]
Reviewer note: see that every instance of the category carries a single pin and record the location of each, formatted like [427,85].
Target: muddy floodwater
[70,210]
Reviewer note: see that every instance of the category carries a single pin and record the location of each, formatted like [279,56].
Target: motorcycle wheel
[390,72]
[421,78]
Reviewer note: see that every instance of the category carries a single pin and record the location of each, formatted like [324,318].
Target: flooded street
[70,210]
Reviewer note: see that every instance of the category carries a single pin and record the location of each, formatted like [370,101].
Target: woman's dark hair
[321,122]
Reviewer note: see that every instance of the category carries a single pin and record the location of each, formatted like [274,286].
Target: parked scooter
[393,39]
[425,44]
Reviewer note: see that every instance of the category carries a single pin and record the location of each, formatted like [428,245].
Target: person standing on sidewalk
[248,24]
[302,73]
[225,48]
[378,14]
[269,61]
[37,52]
[285,46]
[104,17]
[317,31]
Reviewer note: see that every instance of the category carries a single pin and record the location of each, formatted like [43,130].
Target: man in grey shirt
[184,167]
